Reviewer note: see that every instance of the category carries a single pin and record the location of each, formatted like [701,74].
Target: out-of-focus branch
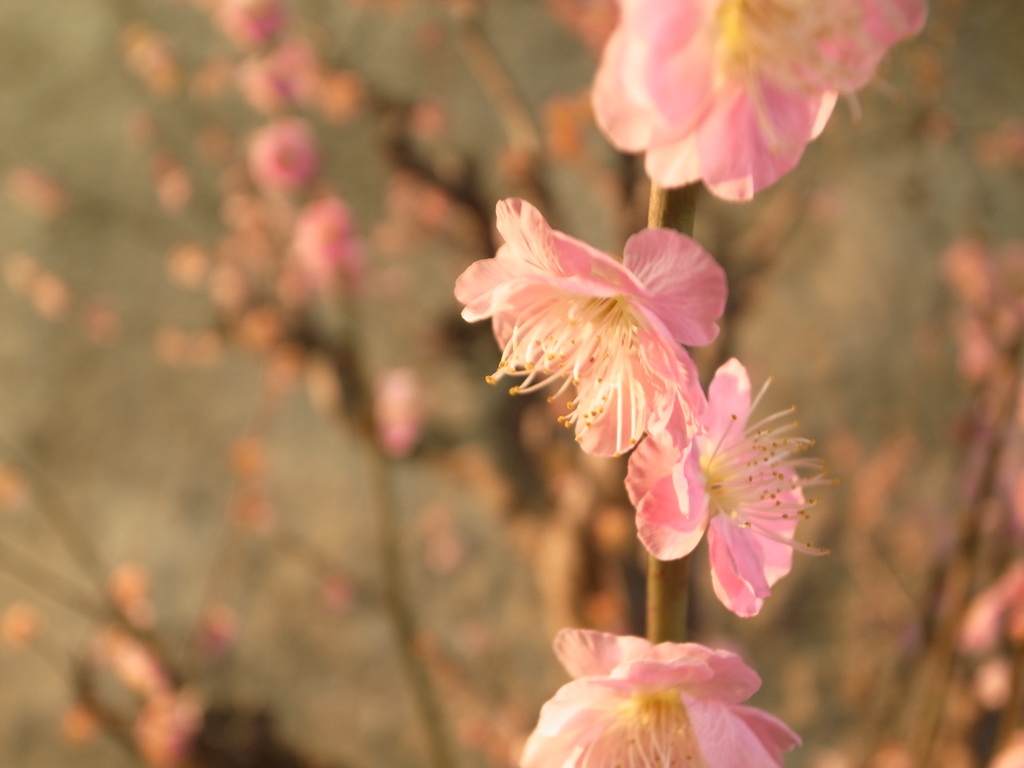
[494,79]
[51,507]
[395,591]
[951,600]
[50,583]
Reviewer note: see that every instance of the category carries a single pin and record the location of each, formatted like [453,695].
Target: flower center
[795,44]
[649,730]
[588,342]
[753,478]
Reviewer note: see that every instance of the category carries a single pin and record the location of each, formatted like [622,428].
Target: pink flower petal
[686,287]
[589,653]
[671,514]
[745,145]
[730,392]
[727,741]
[737,568]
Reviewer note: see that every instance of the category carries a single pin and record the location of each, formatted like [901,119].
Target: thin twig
[497,84]
[51,584]
[937,660]
[395,591]
[1010,719]
[52,508]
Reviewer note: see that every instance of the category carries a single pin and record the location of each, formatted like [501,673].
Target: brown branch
[936,665]
[668,581]
[517,122]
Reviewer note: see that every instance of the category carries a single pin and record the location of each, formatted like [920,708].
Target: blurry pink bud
[36,192]
[20,625]
[399,412]
[129,589]
[250,22]
[79,724]
[173,185]
[282,155]
[984,619]
[166,728]
[131,662]
[337,592]
[14,492]
[991,683]
[1012,756]
[326,243]
[968,270]
[219,629]
[149,55]
[286,76]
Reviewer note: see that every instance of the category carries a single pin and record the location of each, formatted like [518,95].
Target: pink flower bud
[286,76]
[166,728]
[399,412]
[282,155]
[250,22]
[326,244]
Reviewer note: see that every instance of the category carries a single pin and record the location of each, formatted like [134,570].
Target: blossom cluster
[728,92]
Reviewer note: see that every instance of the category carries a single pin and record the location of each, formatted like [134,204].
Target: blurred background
[221,460]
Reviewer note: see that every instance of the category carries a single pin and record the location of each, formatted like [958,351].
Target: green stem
[667,599]
[674,208]
[667,580]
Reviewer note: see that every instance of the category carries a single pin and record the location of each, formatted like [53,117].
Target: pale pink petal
[530,238]
[729,401]
[737,568]
[680,61]
[774,735]
[751,138]
[727,741]
[679,401]
[649,464]
[624,115]
[486,283]
[671,515]
[653,674]
[573,698]
[573,718]
[725,676]
[828,103]
[731,680]
[589,653]
[686,287]
[891,20]
[778,555]
[674,163]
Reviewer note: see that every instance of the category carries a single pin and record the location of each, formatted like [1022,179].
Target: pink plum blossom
[637,705]
[282,155]
[731,91]
[326,243]
[565,312]
[250,22]
[284,77]
[398,411]
[738,481]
